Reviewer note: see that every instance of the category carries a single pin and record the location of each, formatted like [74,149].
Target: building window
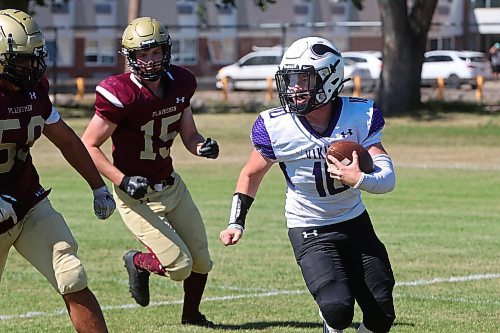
[103,8]
[100,53]
[486,3]
[185,9]
[50,46]
[433,44]
[221,50]
[443,11]
[337,10]
[300,9]
[185,51]
[443,43]
[59,7]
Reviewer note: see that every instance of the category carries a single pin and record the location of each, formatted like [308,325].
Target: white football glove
[104,204]
[6,209]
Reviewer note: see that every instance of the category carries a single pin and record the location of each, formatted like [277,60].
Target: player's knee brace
[337,311]
[182,268]
[203,267]
[69,272]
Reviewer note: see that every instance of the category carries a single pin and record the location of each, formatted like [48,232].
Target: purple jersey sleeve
[261,140]
[378,121]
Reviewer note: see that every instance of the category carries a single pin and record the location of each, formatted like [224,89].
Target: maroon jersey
[22,118]
[146,125]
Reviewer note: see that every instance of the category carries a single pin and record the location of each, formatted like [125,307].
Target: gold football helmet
[141,34]
[22,49]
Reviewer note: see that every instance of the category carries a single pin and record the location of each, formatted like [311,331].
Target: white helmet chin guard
[317,59]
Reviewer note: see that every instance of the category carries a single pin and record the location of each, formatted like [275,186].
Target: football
[342,151]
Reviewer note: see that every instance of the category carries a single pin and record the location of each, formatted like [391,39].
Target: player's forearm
[248,184]
[104,165]
[193,142]
[77,156]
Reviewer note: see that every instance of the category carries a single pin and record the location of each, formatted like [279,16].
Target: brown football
[342,151]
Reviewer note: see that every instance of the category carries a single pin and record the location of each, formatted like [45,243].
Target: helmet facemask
[317,88]
[149,71]
[318,66]
[23,70]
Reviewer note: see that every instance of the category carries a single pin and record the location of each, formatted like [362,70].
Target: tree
[404,33]
[15,4]
[24,4]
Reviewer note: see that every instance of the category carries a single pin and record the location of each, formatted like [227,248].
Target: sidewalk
[206,92]
[490,94]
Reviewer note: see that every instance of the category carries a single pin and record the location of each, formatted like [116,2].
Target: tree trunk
[134,8]
[404,33]
[15,4]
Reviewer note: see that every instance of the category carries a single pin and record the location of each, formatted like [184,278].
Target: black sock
[194,286]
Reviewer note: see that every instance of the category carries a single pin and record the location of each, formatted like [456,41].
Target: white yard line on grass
[257,295]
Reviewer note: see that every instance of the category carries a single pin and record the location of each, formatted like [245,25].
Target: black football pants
[343,263]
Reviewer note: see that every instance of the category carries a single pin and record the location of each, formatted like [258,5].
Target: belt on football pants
[158,187]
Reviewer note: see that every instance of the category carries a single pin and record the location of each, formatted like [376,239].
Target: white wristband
[235,226]
[382,180]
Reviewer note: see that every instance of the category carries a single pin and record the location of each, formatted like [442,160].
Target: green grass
[440,222]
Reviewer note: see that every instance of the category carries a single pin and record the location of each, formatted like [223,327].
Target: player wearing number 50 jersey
[143,112]
[340,256]
[28,222]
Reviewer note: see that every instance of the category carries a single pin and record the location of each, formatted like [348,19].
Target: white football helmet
[22,49]
[319,62]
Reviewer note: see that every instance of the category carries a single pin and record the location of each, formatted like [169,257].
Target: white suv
[371,60]
[455,67]
[254,69]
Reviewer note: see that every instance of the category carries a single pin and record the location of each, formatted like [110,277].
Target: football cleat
[197,320]
[138,280]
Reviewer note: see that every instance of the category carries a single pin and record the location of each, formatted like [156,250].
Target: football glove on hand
[209,149]
[104,204]
[6,209]
[135,186]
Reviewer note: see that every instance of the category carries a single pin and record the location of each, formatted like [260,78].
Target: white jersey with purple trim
[312,197]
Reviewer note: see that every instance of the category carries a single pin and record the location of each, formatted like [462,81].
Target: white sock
[363,329]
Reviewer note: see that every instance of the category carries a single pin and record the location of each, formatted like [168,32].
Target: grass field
[440,225]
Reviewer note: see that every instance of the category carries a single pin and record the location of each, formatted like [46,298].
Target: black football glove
[135,186]
[209,149]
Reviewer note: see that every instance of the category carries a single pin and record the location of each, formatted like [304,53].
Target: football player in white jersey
[341,258]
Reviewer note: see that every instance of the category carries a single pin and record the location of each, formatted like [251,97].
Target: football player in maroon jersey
[28,222]
[142,112]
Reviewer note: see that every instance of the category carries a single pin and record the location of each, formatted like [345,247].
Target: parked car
[351,70]
[455,67]
[371,60]
[253,70]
